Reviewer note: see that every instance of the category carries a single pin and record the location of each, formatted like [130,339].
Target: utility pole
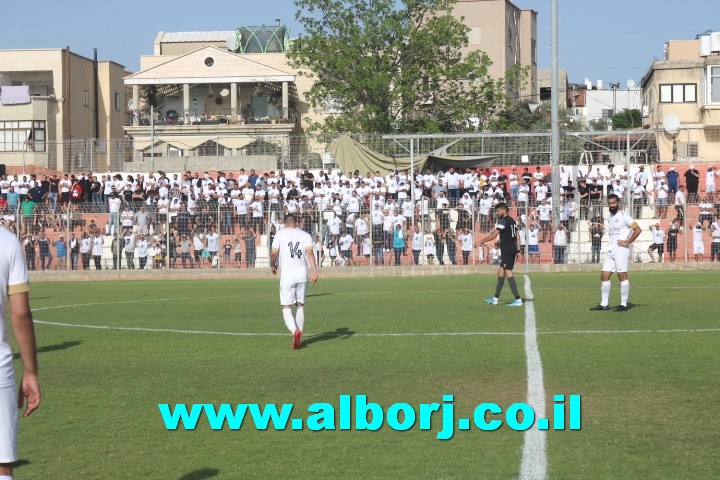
[555,113]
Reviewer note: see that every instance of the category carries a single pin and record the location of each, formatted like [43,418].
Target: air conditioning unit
[430,99]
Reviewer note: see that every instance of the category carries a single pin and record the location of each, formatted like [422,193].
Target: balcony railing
[226,117]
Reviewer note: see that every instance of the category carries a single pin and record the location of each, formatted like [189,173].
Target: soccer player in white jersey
[623,232]
[14,290]
[292,250]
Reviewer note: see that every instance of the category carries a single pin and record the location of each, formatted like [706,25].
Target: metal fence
[177,151]
[225,235]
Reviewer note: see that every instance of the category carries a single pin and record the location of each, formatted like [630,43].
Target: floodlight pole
[411,178]
[555,114]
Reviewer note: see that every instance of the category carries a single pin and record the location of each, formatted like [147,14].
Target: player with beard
[623,232]
[506,229]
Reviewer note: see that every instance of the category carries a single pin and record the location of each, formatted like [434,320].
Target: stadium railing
[244,239]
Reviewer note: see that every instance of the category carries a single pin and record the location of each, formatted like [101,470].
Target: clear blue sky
[612,40]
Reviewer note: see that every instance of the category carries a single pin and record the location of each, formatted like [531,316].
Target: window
[22,136]
[209,62]
[714,84]
[117,101]
[259,104]
[691,150]
[86,98]
[607,113]
[475,36]
[678,93]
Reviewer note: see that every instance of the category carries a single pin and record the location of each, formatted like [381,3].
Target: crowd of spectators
[203,220]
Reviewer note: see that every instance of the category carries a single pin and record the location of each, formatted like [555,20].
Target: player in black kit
[506,228]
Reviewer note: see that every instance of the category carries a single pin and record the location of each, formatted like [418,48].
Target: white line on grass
[388,334]
[534,452]
[384,292]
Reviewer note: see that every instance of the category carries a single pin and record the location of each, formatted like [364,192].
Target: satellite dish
[224,92]
[671,124]
[232,43]
[630,84]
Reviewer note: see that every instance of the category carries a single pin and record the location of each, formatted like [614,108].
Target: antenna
[671,124]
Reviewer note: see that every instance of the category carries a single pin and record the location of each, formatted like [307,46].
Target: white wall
[598,100]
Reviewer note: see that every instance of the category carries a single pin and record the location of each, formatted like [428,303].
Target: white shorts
[617,260]
[710,188]
[8,424]
[699,248]
[292,294]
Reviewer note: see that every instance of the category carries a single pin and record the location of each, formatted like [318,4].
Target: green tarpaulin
[350,156]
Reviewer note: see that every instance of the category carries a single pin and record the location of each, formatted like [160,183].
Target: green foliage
[151,96]
[517,117]
[627,119]
[598,125]
[394,66]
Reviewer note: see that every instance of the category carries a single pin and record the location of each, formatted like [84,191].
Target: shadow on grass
[20,463]
[201,474]
[318,294]
[341,332]
[53,348]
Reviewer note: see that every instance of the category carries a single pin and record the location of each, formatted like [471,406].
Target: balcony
[711,115]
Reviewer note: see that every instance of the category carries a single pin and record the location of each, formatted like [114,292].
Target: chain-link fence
[180,151]
[363,232]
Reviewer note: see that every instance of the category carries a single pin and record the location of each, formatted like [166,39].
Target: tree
[627,119]
[598,125]
[392,66]
[517,117]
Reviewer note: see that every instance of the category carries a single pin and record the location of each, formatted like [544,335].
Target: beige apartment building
[222,99]
[49,113]
[681,96]
[508,34]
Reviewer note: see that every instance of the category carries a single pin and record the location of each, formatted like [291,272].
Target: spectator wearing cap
[710,187]
[692,183]
[672,180]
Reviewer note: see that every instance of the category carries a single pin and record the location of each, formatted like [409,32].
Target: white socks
[624,292]
[289,320]
[6,477]
[605,289]
[300,317]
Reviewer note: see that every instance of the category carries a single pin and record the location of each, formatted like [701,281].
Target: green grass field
[651,396]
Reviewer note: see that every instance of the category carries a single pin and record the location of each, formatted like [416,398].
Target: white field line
[534,462]
[387,334]
[384,292]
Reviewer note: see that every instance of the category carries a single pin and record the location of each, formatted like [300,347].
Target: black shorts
[507,259]
[657,246]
